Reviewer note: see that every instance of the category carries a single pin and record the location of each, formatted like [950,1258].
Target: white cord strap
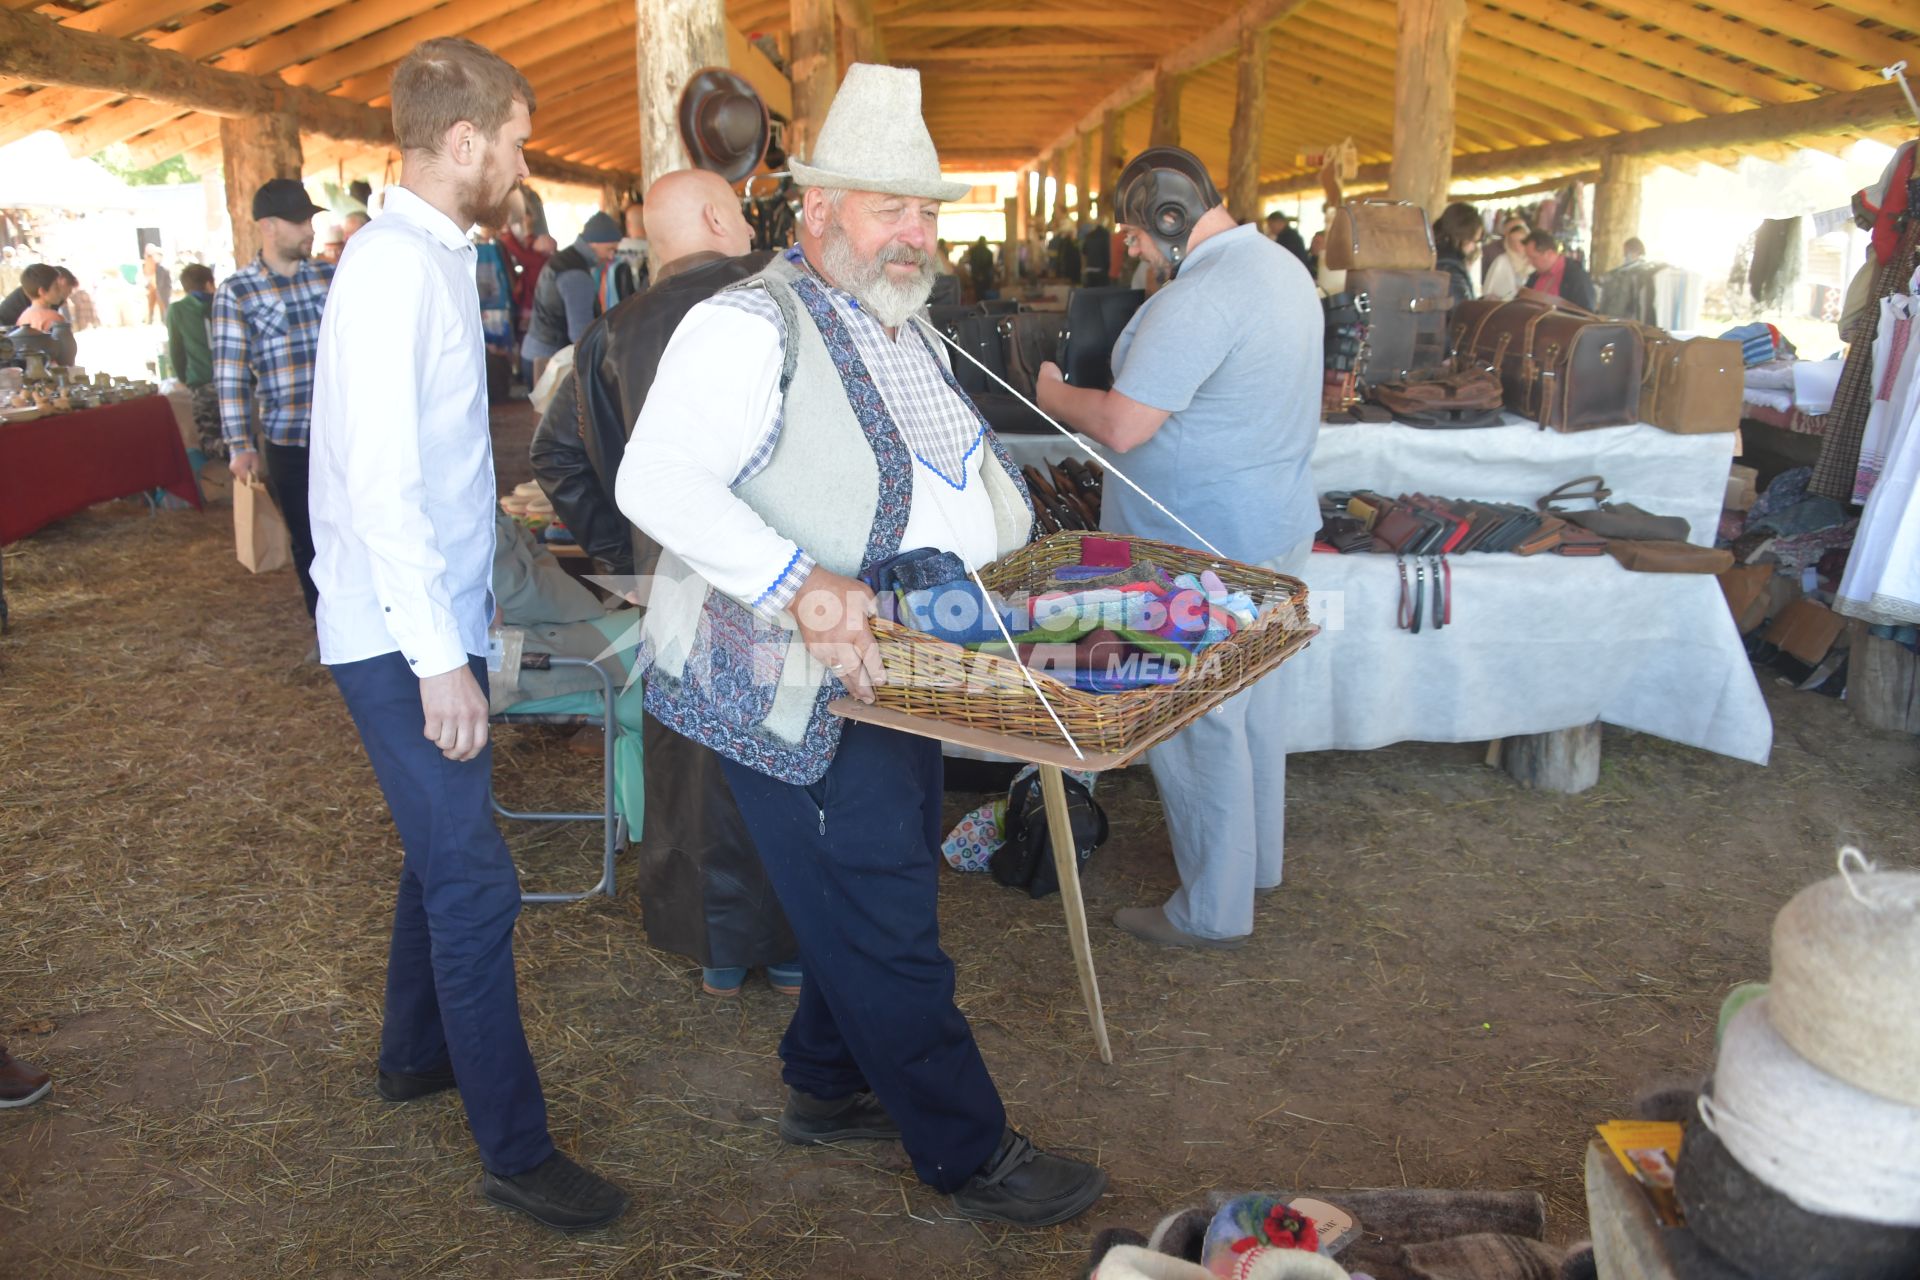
[1071,437]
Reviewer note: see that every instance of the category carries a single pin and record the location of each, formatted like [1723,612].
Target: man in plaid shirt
[264,333]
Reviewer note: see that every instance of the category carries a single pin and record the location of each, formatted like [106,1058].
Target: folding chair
[614,825]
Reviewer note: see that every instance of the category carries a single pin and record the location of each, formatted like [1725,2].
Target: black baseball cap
[283,198]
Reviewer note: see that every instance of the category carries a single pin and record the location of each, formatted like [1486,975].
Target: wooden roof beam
[31,45]
[1837,33]
[389,45]
[1860,111]
[1609,64]
[1717,31]
[1030,18]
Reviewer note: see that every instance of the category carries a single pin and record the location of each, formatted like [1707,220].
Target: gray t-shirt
[1231,348]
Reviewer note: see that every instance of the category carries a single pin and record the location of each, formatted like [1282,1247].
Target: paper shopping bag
[260,540]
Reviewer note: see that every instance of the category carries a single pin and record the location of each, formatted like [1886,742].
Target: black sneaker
[558,1193]
[809,1121]
[1023,1186]
[405,1086]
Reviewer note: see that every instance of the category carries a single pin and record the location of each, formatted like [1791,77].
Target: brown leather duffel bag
[1379,235]
[1692,386]
[1564,369]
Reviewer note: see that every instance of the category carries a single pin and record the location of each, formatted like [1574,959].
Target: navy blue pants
[450,985]
[854,860]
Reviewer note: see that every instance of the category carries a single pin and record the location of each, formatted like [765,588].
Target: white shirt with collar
[401,484]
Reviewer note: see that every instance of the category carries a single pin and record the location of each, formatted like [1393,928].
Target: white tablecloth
[1537,643]
[1667,474]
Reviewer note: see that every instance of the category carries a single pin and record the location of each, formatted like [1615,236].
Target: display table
[1537,644]
[57,465]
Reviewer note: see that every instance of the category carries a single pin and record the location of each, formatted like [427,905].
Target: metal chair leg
[614,827]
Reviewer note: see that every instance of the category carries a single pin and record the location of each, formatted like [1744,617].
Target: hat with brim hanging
[874,139]
[723,123]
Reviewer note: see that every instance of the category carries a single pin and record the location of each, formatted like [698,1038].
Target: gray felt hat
[875,139]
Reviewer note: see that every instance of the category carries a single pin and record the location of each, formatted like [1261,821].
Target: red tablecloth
[57,465]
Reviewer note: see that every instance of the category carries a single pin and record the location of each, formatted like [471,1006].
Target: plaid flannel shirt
[265,332]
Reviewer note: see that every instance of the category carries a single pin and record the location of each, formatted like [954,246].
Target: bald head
[693,211]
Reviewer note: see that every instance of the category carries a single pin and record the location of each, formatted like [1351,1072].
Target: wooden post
[1010,244]
[1086,177]
[858,34]
[252,150]
[1166,108]
[672,40]
[814,67]
[1249,110]
[1110,162]
[1883,681]
[1037,219]
[1429,56]
[1066,866]
[1616,210]
[1057,210]
[1567,761]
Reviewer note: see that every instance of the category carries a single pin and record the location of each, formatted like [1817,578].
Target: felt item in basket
[1845,989]
[1106,553]
[1669,557]
[1762,1232]
[915,570]
[1610,519]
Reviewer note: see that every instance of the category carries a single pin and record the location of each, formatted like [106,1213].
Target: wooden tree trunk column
[254,149]
[1428,58]
[1110,162]
[1057,210]
[1567,761]
[1249,110]
[1089,174]
[814,68]
[672,40]
[1166,109]
[1616,210]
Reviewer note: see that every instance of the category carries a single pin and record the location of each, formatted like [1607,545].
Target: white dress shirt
[709,422]
[401,486]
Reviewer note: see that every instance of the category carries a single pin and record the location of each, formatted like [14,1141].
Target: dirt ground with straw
[1459,978]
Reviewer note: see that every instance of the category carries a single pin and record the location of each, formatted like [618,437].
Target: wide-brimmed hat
[723,123]
[874,139]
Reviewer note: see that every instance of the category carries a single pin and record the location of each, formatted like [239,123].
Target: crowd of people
[762,430]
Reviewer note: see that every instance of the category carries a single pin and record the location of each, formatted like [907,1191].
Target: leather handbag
[1467,398]
[1095,318]
[1670,557]
[1563,369]
[1032,339]
[1379,234]
[1612,519]
[1406,323]
[1692,386]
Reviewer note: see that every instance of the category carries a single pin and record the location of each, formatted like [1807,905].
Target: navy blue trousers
[854,860]
[450,985]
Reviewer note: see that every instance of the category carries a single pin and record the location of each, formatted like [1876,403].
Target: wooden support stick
[1067,866]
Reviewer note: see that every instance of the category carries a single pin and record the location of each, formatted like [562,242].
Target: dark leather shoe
[560,1194]
[1023,1186]
[405,1086]
[21,1083]
[809,1121]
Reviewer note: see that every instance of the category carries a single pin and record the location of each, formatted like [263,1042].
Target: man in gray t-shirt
[1216,405]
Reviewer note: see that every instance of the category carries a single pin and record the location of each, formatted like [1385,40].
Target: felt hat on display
[875,139]
[723,123]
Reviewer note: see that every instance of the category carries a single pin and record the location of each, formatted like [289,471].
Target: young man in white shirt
[403,518]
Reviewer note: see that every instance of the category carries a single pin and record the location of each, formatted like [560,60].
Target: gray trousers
[1223,785]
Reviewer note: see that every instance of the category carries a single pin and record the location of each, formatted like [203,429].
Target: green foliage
[170,172]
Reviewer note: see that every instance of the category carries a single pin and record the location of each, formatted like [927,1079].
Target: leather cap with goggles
[1164,192]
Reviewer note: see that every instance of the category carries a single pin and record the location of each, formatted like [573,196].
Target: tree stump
[1567,760]
[1883,681]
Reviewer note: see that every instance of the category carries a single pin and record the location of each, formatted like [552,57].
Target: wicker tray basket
[941,681]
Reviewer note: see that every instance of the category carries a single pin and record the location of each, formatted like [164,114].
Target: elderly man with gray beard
[802,429]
